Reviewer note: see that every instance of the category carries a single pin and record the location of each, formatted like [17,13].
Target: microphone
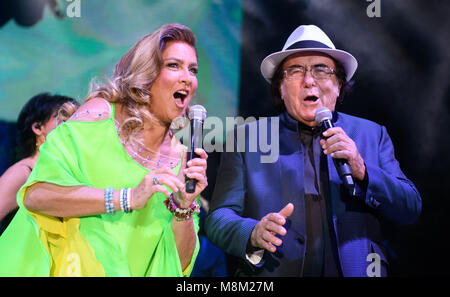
[197,115]
[323,117]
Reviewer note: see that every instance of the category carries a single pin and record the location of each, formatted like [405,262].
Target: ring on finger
[155,180]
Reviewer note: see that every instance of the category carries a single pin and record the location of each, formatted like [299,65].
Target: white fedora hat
[308,38]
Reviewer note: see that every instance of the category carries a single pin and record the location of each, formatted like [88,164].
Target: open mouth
[311,98]
[180,96]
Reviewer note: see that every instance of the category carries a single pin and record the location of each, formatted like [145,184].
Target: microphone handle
[341,165]
[196,142]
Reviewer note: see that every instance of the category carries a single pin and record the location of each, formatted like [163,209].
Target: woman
[37,118]
[107,196]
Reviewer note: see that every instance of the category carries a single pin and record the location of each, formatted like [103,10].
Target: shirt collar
[294,125]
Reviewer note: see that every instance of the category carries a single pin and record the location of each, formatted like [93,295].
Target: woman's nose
[185,77]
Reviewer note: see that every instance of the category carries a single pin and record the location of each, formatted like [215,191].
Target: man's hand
[263,235]
[340,146]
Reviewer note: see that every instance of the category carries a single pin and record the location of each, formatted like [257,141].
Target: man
[294,217]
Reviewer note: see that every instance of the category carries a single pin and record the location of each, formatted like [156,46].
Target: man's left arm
[381,184]
[388,190]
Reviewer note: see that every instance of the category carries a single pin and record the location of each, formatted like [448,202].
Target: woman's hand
[153,182]
[194,169]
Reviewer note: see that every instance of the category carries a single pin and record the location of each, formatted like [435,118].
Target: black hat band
[308,44]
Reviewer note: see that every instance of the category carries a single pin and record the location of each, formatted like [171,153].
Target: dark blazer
[247,189]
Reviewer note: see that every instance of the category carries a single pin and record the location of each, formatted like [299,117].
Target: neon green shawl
[137,244]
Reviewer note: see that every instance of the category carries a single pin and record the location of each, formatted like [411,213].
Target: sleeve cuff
[255,257]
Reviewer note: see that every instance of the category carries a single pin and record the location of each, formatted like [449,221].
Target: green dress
[140,243]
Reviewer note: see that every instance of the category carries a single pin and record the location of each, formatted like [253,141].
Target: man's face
[303,96]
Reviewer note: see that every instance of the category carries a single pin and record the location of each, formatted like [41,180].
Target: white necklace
[145,156]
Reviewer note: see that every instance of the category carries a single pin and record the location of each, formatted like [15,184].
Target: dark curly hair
[38,109]
[277,77]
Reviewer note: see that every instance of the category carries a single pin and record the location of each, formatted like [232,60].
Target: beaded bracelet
[109,205]
[181,214]
[129,200]
[125,203]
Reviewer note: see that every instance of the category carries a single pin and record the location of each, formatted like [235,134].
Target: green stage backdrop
[62,55]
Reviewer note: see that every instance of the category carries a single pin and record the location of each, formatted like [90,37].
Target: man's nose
[308,79]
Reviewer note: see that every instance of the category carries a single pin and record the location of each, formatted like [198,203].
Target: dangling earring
[179,123]
[40,141]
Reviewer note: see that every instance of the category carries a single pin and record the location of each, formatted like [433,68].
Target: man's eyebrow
[315,65]
[296,65]
[320,64]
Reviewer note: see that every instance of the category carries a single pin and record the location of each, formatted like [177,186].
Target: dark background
[402,82]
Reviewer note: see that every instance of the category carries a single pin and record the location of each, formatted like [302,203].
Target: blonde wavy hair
[66,111]
[135,73]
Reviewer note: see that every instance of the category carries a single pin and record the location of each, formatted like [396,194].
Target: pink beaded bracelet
[181,214]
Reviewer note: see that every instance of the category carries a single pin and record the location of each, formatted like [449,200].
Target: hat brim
[271,62]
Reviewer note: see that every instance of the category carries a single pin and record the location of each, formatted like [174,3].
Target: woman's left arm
[184,231]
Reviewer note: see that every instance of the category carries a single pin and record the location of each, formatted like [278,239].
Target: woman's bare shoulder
[93,110]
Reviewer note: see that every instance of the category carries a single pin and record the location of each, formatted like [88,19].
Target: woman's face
[176,83]
[42,130]
[50,124]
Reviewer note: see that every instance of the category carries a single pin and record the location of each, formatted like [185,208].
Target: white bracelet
[125,200]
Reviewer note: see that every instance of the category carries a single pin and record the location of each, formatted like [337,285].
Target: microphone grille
[197,112]
[322,114]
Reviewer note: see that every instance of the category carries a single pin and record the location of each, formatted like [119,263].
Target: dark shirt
[321,251]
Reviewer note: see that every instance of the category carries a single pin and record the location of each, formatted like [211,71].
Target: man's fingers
[281,216]
[287,210]
[275,228]
[266,239]
[271,238]
[263,241]
[265,233]
[332,131]
[268,246]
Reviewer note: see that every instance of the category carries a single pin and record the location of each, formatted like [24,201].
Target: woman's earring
[179,123]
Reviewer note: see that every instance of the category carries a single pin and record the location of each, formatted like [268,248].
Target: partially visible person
[40,115]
